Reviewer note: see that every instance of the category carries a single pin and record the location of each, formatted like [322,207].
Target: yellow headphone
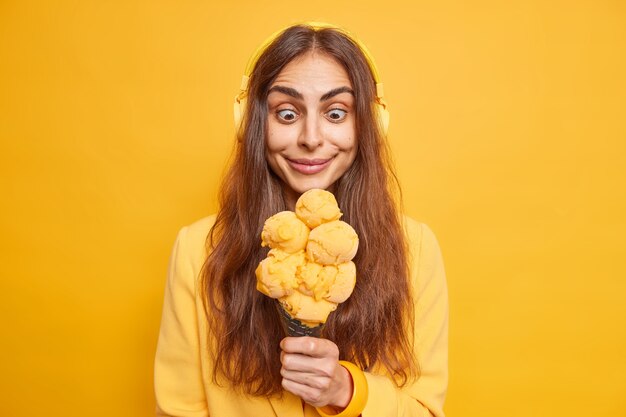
[240,99]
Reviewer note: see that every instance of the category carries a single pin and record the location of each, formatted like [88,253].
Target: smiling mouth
[309,166]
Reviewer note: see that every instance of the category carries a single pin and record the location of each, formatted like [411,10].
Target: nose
[311,135]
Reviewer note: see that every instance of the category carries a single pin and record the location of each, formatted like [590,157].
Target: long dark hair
[374,327]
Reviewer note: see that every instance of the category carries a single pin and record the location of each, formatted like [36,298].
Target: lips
[309,166]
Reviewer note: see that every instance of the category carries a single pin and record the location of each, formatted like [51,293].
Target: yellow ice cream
[343,284]
[316,206]
[285,231]
[316,280]
[308,271]
[276,274]
[329,282]
[307,309]
[332,243]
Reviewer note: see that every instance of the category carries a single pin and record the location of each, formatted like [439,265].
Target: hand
[311,370]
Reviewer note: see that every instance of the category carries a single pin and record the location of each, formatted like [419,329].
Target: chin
[303,186]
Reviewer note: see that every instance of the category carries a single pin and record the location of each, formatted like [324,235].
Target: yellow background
[508,126]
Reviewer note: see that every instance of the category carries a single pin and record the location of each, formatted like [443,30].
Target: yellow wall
[508,123]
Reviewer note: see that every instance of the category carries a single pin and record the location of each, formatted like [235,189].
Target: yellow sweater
[182,374]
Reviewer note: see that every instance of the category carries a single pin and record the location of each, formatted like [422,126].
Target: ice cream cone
[296,328]
[309,269]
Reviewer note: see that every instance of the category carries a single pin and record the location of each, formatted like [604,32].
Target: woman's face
[311,127]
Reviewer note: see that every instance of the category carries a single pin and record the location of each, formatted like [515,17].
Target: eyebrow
[292,92]
[336,91]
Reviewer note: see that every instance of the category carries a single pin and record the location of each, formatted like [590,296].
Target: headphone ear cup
[383,118]
[239,108]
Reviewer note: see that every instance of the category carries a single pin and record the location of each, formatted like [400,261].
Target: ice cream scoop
[316,206]
[329,282]
[306,309]
[332,243]
[315,279]
[285,231]
[276,274]
[343,284]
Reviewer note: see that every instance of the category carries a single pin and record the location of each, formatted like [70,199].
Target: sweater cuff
[383,397]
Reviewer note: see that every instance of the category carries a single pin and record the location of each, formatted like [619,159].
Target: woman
[311,116]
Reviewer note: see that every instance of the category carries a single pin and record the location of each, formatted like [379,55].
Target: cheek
[346,142]
[351,155]
[280,137]
[343,136]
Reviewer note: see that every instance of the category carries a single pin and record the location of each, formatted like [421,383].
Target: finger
[310,395]
[310,346]
[302,363]
[315,381]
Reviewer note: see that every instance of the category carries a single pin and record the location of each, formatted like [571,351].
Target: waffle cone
[294,327]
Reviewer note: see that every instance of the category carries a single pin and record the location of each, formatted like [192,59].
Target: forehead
[313,69]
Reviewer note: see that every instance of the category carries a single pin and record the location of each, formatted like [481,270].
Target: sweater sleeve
[424,397]
[177,371]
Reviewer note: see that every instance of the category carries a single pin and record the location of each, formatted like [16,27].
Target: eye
[336,115]
[287,115]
